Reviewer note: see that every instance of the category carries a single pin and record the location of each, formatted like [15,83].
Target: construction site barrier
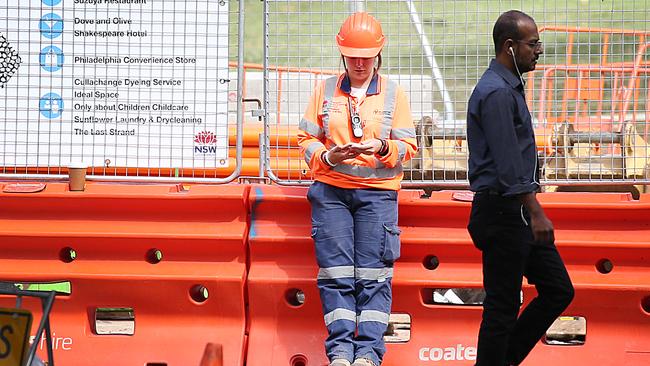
[146,274]
[153,274]
[604,239]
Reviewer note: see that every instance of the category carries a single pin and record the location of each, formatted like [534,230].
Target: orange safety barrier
[280,135]
[604,239]
[155,272]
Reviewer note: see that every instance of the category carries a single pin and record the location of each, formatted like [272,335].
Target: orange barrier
[607,259]
[168,266]
[279,135]
[155,271]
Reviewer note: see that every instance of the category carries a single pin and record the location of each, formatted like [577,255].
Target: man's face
[528,48]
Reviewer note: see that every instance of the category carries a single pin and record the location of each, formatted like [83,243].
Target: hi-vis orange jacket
[385,114]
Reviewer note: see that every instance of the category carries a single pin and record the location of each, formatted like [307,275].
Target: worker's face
[528,48]
[359,69]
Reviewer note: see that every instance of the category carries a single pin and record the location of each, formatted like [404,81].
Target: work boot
[340,362]
[363,362]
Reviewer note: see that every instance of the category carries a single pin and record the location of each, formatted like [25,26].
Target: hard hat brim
[359,52]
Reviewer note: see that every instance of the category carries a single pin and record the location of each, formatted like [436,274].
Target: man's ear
[508,46]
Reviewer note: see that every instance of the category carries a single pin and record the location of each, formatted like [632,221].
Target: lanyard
[355,120]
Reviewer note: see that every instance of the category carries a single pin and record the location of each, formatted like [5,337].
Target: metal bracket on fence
[259,112]
[47,300]
[254,180]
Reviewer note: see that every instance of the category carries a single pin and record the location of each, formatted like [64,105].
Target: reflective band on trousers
[340,314]
[336,272]
[373,274]
[370,274]
[373,316]
[365,316]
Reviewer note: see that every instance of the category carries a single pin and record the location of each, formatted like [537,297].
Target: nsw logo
[205,142]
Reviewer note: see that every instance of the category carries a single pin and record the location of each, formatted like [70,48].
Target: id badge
[355,120]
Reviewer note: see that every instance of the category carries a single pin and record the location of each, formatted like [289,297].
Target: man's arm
[542,227]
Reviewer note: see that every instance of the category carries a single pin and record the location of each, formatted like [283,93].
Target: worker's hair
[507,27]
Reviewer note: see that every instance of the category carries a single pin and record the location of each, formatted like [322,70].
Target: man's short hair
[507,26]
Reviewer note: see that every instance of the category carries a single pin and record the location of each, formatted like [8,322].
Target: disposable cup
[77,174]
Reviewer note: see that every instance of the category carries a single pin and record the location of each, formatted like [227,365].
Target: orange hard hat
[360,36]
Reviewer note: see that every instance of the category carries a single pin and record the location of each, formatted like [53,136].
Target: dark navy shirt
[500,136]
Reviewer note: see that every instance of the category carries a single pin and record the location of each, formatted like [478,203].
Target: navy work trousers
[356,240]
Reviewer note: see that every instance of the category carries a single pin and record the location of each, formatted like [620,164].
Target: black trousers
[499,227]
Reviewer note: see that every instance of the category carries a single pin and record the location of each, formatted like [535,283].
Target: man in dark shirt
[507,222]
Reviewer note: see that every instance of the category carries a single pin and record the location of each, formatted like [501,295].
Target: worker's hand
[543,231]
[366,147]
[338,154]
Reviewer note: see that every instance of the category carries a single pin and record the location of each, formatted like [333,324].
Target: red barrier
[160,262]
[592,230]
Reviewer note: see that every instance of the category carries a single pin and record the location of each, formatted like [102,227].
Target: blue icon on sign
[51,58]
[51,2]
[51,25]
[51,105]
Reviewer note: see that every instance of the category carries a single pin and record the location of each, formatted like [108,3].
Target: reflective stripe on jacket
[385,114]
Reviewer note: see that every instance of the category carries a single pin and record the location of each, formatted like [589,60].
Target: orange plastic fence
[280,70]
[174,257]
[578,90]
[596,232]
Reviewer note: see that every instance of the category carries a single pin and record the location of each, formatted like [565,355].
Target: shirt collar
[506,74]
[373,87]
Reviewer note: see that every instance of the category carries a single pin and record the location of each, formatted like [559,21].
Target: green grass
[303,31]
[301,34]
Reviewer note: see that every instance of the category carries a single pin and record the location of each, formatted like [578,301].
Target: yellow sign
[14,335]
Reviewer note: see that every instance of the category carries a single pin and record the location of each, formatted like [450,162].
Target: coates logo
[453,353]
[205,143]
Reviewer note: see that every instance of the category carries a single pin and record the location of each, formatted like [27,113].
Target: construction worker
[507,223]
[355,135]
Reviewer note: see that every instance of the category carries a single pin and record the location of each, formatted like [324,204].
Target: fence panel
[588,96]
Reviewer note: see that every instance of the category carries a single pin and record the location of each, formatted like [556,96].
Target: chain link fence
[588,96]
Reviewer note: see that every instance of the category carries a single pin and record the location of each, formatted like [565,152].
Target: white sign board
[121,83]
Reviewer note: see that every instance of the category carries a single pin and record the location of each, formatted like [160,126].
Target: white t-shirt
[358,92]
